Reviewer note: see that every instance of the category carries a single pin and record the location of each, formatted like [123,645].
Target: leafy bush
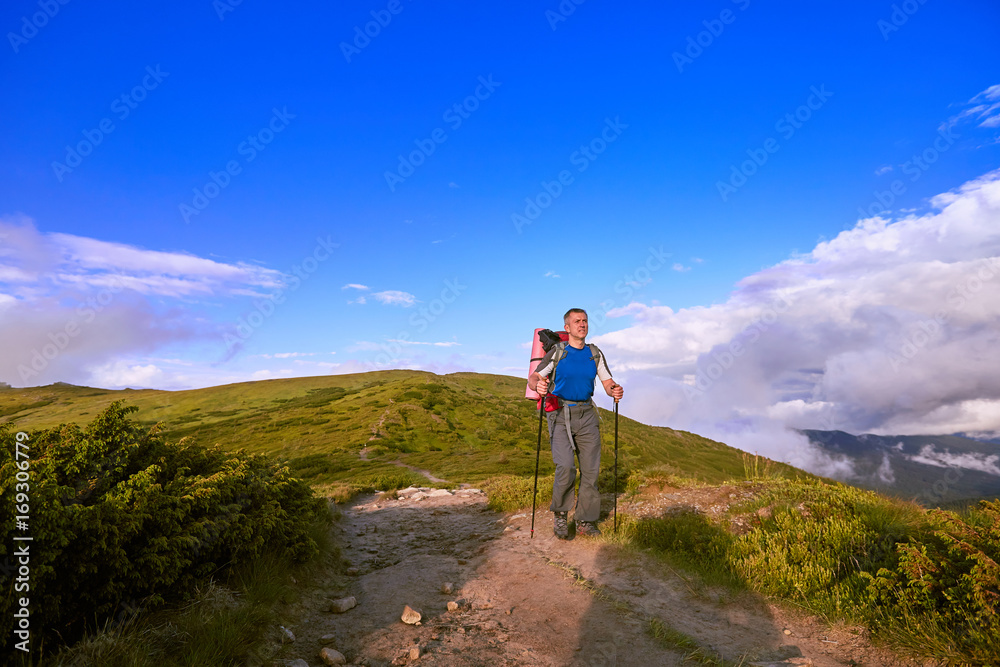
[121,518]
[606,482]
[812,541]
[948,580]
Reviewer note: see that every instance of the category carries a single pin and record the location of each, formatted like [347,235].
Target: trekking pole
[616,466]
[538,453]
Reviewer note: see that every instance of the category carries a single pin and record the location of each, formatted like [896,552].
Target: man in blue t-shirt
[575,424]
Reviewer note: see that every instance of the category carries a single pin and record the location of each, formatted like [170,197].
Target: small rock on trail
[410,616]
[343,604]
[331,656]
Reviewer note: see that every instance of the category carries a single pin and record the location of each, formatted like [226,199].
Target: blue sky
[646,110]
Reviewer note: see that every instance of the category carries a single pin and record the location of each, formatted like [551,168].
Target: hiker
[574,426]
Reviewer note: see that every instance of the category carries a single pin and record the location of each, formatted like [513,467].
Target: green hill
[461,427]
[924,580]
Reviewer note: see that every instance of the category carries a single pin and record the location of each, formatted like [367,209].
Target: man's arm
[541,374]
[613,389]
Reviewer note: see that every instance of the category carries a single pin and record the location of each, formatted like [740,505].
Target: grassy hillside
[462,427]
[924,580]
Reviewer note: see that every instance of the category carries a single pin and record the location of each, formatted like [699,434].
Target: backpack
[548,340]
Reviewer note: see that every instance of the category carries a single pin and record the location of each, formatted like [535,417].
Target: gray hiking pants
[583,422]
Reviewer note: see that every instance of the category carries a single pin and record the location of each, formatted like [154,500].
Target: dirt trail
[537,601]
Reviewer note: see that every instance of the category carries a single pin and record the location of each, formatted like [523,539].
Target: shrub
[948,580]
[121,518]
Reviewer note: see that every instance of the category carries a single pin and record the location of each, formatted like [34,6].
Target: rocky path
[489,596]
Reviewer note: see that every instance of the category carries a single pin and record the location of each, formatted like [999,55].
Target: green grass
[462,427]
[508,493]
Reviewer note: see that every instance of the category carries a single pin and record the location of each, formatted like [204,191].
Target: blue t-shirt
[575,375]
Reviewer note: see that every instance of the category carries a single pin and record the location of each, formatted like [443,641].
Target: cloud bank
[892,327]
[72,308]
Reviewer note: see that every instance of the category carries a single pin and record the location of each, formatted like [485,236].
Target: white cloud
[286,355]
[551,274]
[418,342]
[680,267]
[929,455]
[171,273]
[843,337]
[73,305]
[885,474]
[395,298]
[356,286]
[983,109]
[120,374]
[987,107]
[883,170]
[33,263]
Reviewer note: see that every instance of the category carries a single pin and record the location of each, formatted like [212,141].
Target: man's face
[576,325]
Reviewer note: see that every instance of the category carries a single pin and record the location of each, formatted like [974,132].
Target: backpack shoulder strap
[595,354]
[560,352]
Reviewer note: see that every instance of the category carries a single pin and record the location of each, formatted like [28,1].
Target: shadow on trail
[689,619]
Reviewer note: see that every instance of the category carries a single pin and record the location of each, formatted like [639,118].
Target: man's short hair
[570,312]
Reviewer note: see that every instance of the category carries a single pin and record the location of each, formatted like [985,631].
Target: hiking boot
[561,525]
[587,528]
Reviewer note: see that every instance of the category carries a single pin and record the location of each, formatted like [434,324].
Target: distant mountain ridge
[992,440]
[934,470]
